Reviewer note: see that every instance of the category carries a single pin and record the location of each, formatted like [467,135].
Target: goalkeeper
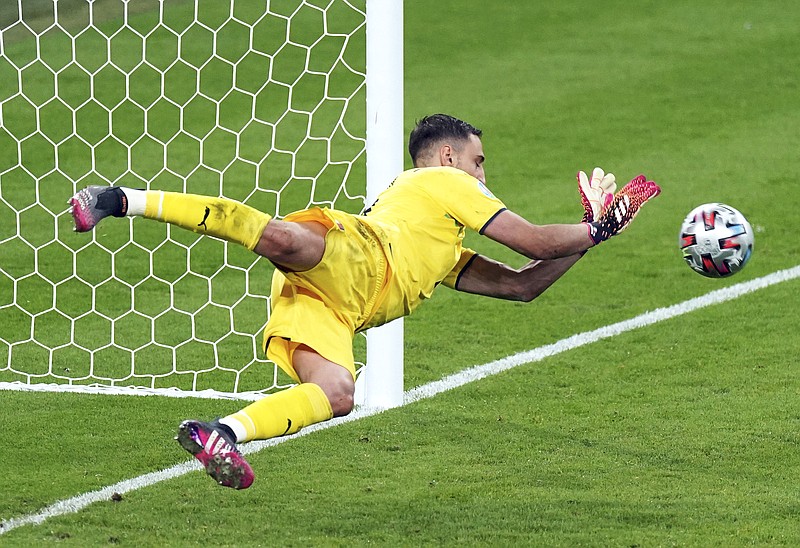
[338,274]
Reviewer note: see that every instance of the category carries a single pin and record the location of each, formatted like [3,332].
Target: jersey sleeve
[467,256]
[465,198]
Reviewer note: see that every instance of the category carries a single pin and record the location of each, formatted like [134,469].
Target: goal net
[262,102]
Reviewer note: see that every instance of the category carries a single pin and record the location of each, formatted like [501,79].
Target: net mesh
[258,102]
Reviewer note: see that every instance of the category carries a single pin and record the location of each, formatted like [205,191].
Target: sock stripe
[244,421]
[251,429]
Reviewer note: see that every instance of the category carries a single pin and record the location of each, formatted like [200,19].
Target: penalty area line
[456,380]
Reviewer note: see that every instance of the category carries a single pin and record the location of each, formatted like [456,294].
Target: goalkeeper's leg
[326,391]
[220,217]
[296,246]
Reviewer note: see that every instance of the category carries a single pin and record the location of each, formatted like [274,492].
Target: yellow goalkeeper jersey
[378,266]
[421,221]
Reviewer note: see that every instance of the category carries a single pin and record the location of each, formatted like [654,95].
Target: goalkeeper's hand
[623,209]
[597,193]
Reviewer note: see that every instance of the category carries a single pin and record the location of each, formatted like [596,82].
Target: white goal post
[383,381]
[280,104]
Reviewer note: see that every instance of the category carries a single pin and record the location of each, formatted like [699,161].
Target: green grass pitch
[681,433]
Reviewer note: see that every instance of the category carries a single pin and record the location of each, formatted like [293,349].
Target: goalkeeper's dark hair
[435,129]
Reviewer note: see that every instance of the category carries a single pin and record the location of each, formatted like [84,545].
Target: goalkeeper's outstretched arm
[553,248]
[539,241]
[562,240]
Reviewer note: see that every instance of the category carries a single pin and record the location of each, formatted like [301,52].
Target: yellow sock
[219,217]
[284,412]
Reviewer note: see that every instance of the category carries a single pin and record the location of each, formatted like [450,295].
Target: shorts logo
[483,188]
[340,226]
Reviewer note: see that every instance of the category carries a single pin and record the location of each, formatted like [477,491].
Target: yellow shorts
[324,307]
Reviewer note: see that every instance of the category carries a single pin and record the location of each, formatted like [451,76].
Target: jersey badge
[483,188]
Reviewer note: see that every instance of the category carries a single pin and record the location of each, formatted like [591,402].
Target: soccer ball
[716,240]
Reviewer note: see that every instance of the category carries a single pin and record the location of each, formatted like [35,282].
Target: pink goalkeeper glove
[597,193]
[623,208]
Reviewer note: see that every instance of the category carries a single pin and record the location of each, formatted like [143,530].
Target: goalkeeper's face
[468,156]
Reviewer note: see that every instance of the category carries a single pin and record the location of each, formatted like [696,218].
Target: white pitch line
[75,504]
[648,318]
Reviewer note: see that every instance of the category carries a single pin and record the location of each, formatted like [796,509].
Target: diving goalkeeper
[338,273]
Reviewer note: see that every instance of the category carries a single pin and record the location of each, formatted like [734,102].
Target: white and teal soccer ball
[716,240]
